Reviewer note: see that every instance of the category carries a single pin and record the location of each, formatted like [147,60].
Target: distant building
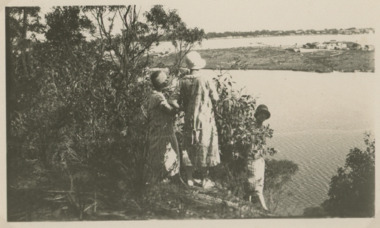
[371,31]
[321,46]
[341,46]
[369,47]
[330,45]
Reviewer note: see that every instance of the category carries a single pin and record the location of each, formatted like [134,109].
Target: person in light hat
[194,61]
[197,97]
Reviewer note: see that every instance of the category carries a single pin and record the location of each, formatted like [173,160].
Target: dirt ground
[163,201]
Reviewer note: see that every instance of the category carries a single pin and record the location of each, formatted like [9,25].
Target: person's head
[262,113]
[194,61]
[159,80]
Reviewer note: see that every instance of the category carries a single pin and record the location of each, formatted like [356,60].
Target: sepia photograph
[189,110]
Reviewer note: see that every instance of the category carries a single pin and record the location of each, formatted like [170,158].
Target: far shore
[279,58]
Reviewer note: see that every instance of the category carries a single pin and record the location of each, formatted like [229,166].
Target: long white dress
[197,94]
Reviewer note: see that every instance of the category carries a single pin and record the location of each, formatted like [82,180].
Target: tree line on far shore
[264,32]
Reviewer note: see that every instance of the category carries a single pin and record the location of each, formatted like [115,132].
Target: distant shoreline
[298,32]
[268,36]
[279,58]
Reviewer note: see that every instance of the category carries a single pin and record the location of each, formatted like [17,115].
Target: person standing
[197,97]
[162,142]
[255,160]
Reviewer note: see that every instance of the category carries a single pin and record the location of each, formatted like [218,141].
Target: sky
[219,16]
[250,15]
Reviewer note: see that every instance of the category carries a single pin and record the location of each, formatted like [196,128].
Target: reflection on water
[317,119]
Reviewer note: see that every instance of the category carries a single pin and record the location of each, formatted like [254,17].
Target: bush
[75,105]
[352,189]
[314,212]
[236,126]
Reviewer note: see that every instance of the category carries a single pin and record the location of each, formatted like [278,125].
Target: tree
[236,126]
[130,54]
[183,40]
[235,118]
[21,25]
[352,189]
[81,114]
[65,26]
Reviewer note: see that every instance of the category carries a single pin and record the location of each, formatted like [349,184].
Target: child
[162,141]
[255,160]
[171,91]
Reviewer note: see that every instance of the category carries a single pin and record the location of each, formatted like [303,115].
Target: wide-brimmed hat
[194,60]
[262,109]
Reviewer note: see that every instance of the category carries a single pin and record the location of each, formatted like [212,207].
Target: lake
[317,119]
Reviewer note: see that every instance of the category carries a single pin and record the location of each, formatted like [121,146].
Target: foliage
[74,106]
[77,110]
[236,126]
[314,212]
[211,35]
[352,189]
[235,120]
[183,39]
[21,77]
[66,25]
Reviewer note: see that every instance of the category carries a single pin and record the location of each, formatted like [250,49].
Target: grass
[277,58]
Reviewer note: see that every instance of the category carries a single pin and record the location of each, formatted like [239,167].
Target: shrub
[75,105]
[352,189]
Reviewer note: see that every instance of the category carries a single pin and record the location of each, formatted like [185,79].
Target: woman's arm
[166,106]
[213,92]
[173,103]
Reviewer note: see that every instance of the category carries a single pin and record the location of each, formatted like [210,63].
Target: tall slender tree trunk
[24,43]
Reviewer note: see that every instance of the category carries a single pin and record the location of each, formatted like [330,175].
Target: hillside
[163,201]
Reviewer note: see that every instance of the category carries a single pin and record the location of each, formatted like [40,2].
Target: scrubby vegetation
[76,128]
[352,189]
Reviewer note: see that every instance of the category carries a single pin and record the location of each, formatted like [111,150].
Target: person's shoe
[197,182]
[206,184]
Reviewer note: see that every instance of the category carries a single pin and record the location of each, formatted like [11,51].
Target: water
[317,119]
[363,39]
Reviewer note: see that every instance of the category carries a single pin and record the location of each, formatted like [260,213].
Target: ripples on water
[317,119]
[318,155]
